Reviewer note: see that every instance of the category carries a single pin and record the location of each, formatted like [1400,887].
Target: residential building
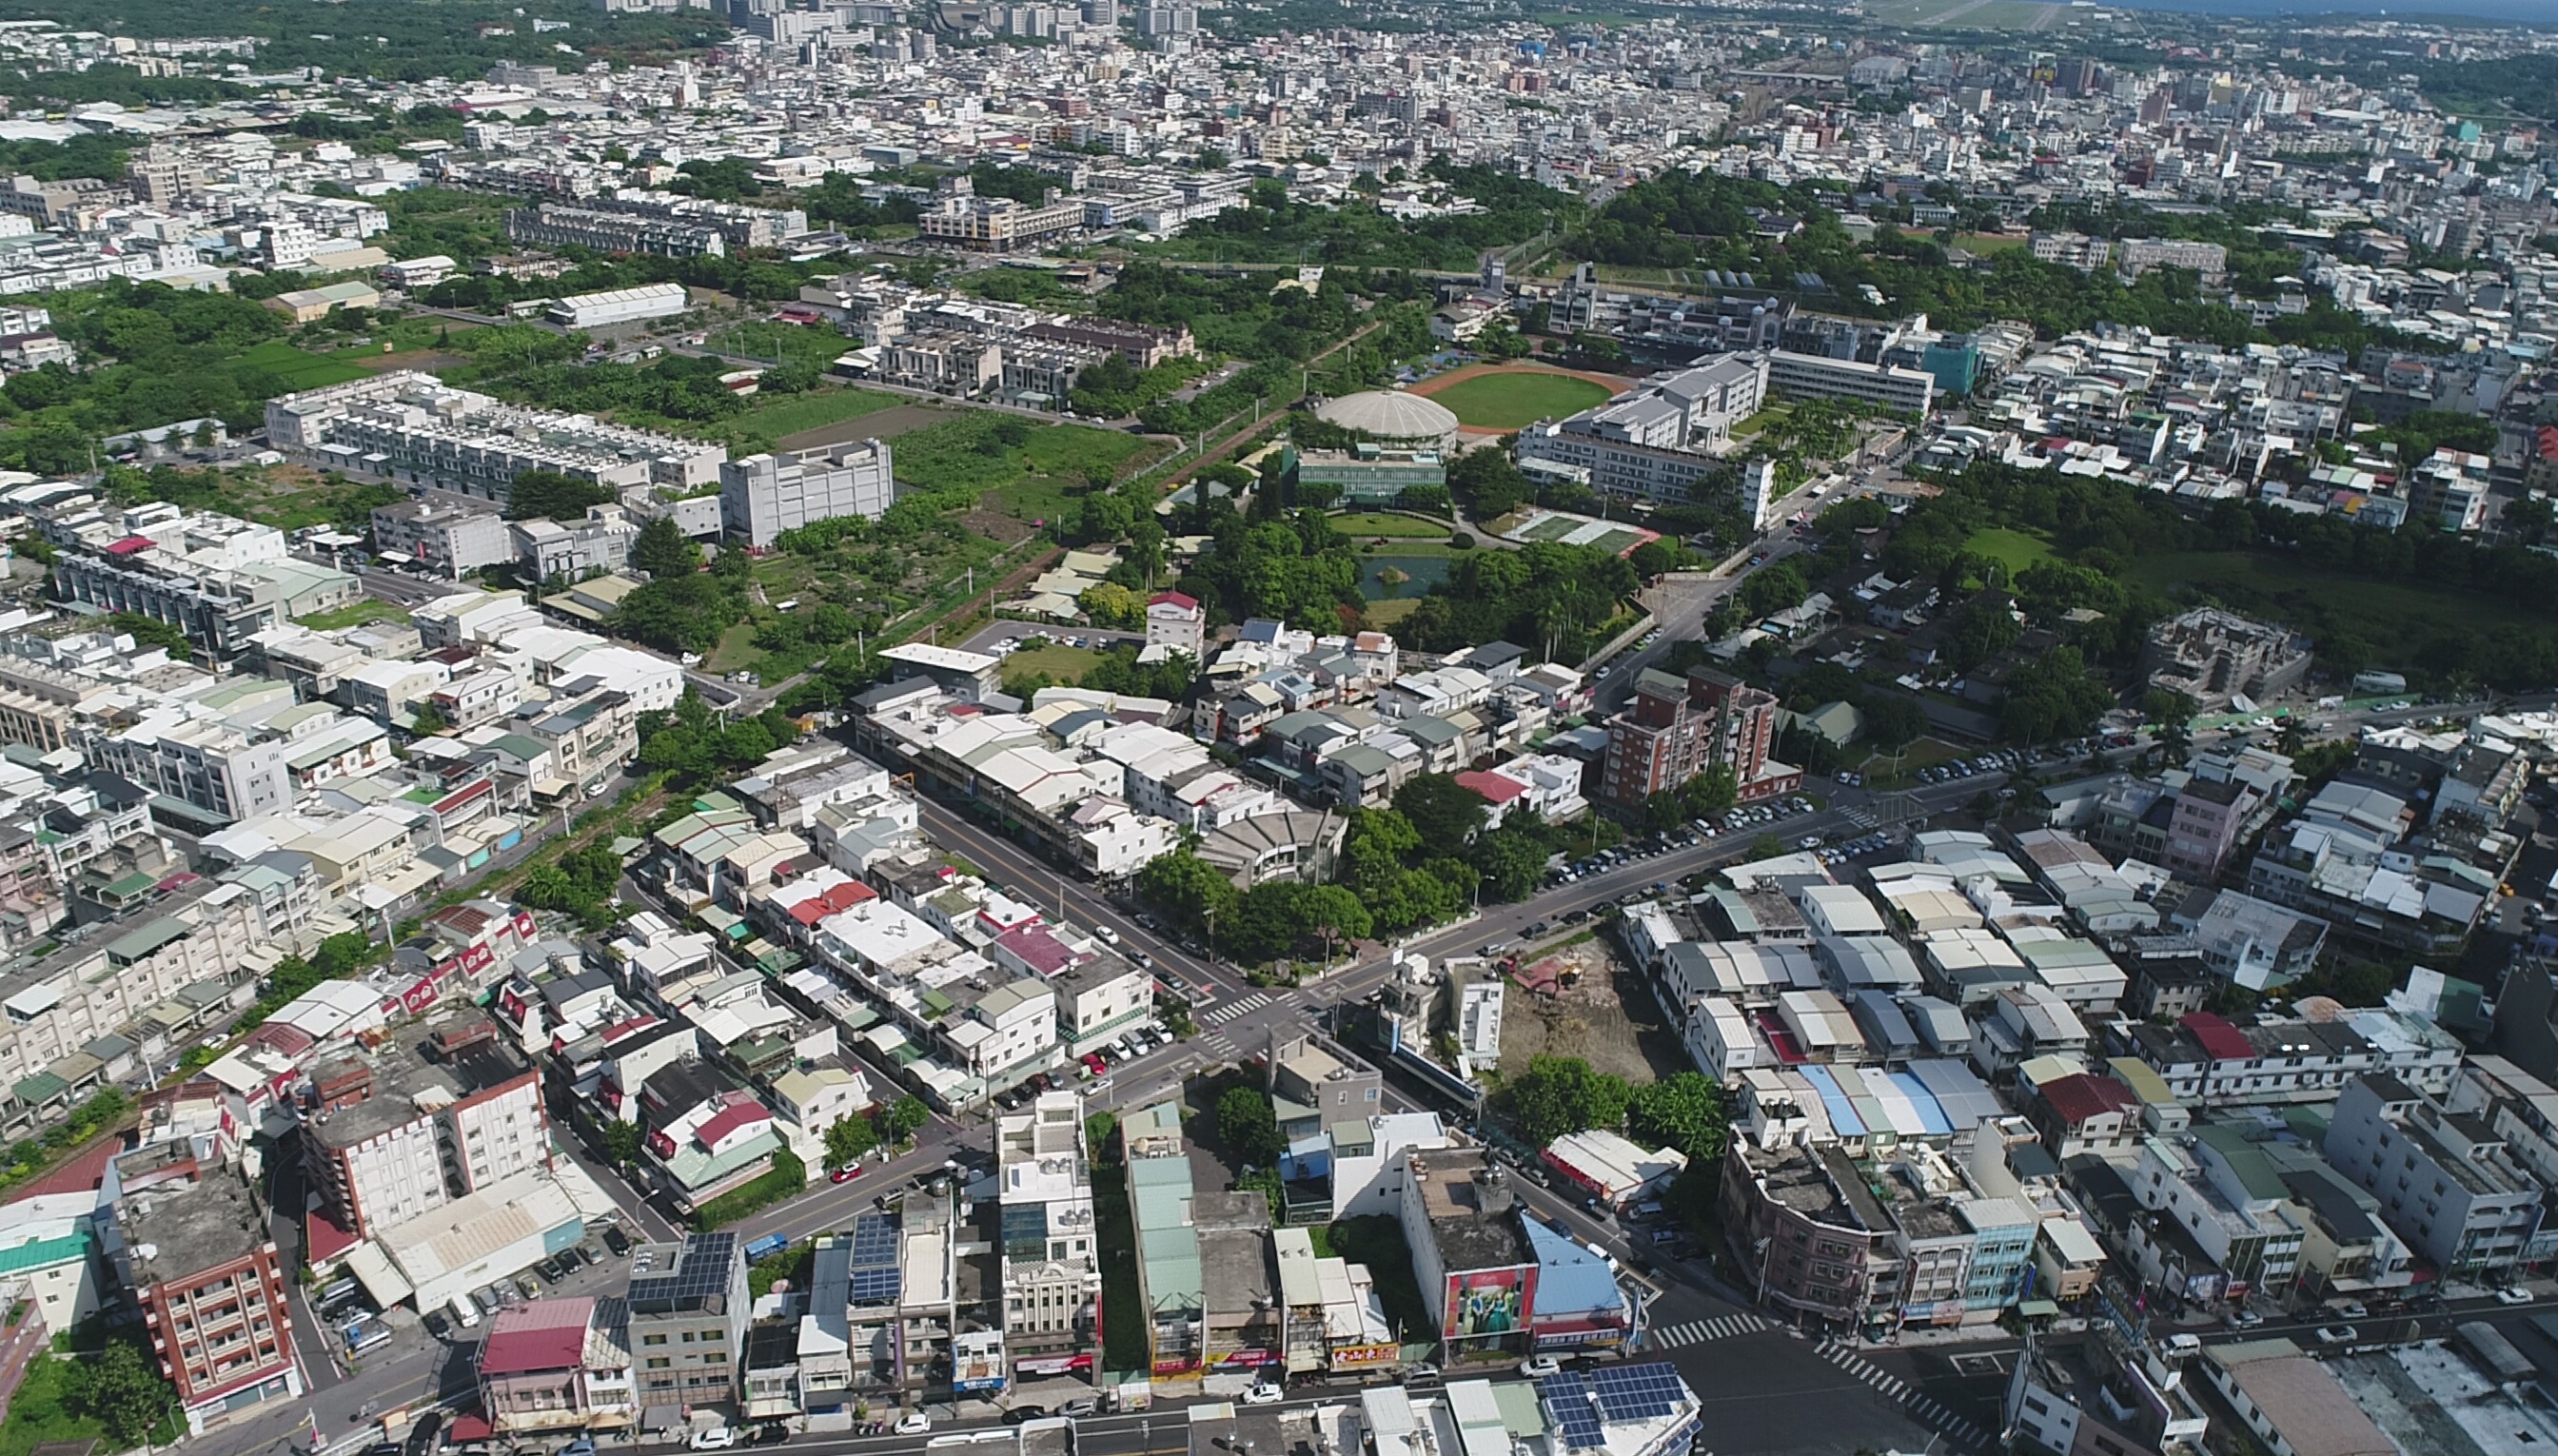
[447,538]
[2448,1183]
[1477,1271]
[763,496]
[1673,729]
[2212,655]
[1051,1265]
[688,1314]
[195,1251]
[547,548]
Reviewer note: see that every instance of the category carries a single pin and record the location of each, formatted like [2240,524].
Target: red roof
[326,1240]
[2081,1098]
[2221,1041]
[1495,788]
[541,1334]
[1177,599]
[1036,949]
[834,900]
[129,545]
[737,1114]
[469,1425]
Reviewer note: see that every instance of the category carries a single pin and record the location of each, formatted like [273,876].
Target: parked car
[615,1239]
[1080,1408]
[913,1425]
[2338,1335]
[2353,1309]
[1540,1367]
[2513,1296]
[717,1438]
[846,1173]
[1262,1392]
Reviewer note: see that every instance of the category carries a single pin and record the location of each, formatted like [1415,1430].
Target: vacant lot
[766,421]
[1507,399]
[1023,469]
[1608,1019]
[1063,665]
[2400,623]
[300,369]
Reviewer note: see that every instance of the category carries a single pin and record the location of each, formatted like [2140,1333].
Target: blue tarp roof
[1835,1100]
[1569,1277]
[1926,1104]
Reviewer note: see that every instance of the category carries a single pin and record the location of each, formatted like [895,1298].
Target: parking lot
[360,1333]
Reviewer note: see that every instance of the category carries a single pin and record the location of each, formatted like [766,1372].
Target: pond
[1423,572]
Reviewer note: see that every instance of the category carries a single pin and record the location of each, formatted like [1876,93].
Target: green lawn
[1388,523]
[353,614]
[1761,420]
[1508,401]
[765,421]
[1062,664]
[2400,623]
[1382,614]
[1925,752]
[301,369]
[2013,549]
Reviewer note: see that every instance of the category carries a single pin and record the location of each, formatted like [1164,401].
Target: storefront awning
[368,1263]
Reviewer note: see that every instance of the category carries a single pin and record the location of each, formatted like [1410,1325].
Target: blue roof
[1835,1100]
[1929,1111]
[1570,1279]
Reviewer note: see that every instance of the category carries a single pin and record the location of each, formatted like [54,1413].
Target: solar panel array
[700,1276]
[1566,1398]
[876,1276]
[1638,1392]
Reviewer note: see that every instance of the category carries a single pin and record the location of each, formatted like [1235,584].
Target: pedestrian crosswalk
[1234,1008]
[1861,815]
[1697,1331]
[1960,1432]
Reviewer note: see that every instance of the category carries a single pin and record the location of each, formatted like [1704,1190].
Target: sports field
[1507,400]
[300,369]
[2014,549]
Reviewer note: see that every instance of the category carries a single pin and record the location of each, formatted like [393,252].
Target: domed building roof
[1392,416]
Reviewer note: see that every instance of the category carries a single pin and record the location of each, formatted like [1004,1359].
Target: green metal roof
[44,1086]
[45,1253]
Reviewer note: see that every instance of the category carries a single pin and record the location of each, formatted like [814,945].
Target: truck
[767,1247]
[464,1313]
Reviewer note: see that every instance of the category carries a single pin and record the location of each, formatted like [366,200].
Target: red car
[847,1175]
[1093,1063]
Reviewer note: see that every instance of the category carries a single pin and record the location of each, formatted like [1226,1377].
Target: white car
[2513,1296]
[717,1438]
[1541,1367]
[914,1425]
[1107,933]
[1262,1392]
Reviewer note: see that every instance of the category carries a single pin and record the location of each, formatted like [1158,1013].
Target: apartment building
[2448,1183]
[204,761]
[557,224]
[1051,1269]
[763,496]
[428,1119]
[194,1249]
[410,427]
[997,224]
[688,1312]
[447,538]
[1674,728]
[544,549]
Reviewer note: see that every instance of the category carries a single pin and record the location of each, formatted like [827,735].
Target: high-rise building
[1674,729]
[401,1132]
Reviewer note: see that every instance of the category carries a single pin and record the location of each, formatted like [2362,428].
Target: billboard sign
[1488,1302]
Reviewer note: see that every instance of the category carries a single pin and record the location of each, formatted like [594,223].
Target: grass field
[300,369]
[1385,613]
[2013,549]
[1063,664]
[2399,621]
[1761,420]
[787,414]
[1507,401]
[1026,471]
[1369,524]
[814,344]
[351,615]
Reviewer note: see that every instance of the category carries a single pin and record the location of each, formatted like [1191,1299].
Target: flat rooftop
[176,1231]
[408,1081]
[1472,1209]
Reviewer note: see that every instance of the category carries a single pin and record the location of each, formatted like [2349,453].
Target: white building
[1052,1266]
[1176,623]
[763,496]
